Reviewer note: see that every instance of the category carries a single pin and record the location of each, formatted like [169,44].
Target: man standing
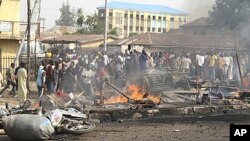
[87,75]
[143,61]
[211,66]
[10,77]
[185,64]
[200,59]
[22,77]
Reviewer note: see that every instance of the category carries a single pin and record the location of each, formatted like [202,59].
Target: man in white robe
[22,89]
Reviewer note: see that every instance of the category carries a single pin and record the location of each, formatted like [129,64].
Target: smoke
[197,8]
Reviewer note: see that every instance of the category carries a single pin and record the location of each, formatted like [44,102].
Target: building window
[154,17]
[102,14]
[125,15]
[131,15]
[172,23]
[148,29]
[142,29]
[110,14]
[164,18]
[142,16]
[149,17]
[159,18]
[130,28]
[164,30]
[153,29]
[118,18]
[110,26]
[137,28]
[159,29]
[180,21]
[125,27]
[137,16]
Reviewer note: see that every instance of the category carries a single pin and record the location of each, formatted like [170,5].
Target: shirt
[212,60]
[87,76]
[200,60]
[106,59]
[10,74]
[40,79]
[186,63]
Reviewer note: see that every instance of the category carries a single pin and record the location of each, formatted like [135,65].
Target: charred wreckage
[68,112]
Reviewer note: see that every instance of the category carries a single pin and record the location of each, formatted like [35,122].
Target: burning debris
[135,96]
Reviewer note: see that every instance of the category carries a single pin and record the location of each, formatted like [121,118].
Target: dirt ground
[137,131]
[159,132]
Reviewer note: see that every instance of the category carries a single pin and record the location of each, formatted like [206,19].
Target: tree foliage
[86,24]
[113,32]
[67,17]
[80,18]
[230,13]
[92,25]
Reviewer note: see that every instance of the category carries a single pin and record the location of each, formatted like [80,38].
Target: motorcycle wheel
[86,127]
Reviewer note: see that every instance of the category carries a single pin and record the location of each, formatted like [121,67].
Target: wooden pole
[237,56]
[105,24]
[28,44]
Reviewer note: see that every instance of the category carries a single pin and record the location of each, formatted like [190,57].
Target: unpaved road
[158,132]
[141,131]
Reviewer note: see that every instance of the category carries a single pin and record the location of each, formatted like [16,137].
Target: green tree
[67,17]
[80,18]
[92,25]
[91,22]
[113,32]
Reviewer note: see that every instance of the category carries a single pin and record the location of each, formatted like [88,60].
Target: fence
[5,63]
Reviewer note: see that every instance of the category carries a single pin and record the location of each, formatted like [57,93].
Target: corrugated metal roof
[143,7]
[204,21]
[206,41]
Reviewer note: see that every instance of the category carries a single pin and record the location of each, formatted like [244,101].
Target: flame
[155,99]
[116,99]
[135,93]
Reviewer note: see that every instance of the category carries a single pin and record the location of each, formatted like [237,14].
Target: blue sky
[50,8]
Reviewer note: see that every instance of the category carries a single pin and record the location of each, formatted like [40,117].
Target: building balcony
[16,29]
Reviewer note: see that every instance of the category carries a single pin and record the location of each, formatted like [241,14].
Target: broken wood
[114,87]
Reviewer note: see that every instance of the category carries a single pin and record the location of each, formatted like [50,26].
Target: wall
[9,47]
[8,52]
[10,11]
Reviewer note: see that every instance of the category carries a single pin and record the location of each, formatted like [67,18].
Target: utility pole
[28,42]
[42,20]
[105,24]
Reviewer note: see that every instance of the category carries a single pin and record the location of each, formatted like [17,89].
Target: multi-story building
[131,18]
[9,27]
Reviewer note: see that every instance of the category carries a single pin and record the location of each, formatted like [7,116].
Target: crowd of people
[87,71]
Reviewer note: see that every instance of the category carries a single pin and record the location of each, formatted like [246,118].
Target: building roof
[74,38]
[204,21]
[143,7]
[169,40]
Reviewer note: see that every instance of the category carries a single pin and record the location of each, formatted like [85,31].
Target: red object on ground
[63,95]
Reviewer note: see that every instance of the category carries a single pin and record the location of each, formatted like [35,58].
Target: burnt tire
[87,126]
